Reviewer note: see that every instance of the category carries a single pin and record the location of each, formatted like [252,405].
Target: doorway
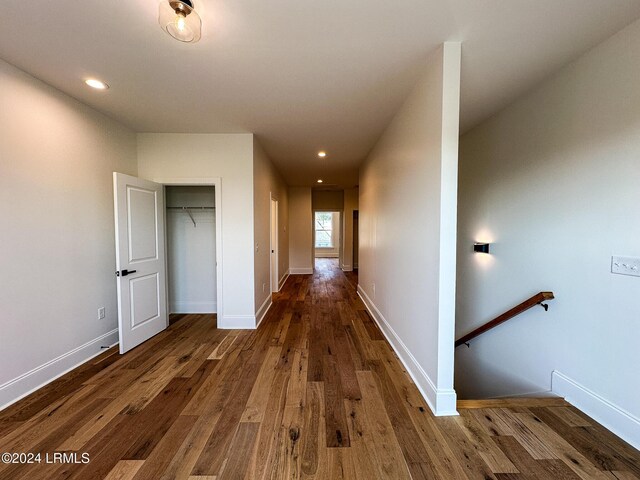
[191,249]
[327,237]
[274,245]
[355,240]
[141,237]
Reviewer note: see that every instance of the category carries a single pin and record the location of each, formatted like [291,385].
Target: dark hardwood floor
[315,392]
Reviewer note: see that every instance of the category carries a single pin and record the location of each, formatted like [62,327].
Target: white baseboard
[193,307]
[283,280]
[347,268]
[442,402]
[531,394]
[245,322]
[301,271]
[616,419]
[27,383]
[262,311]
[238,322]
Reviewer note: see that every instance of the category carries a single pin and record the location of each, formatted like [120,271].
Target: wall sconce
[481,247]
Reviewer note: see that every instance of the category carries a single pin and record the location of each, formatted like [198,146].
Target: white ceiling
[303,75]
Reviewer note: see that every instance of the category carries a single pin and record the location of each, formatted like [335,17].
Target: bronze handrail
[537,299]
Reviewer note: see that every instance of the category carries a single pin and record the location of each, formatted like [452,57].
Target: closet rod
[188,210]
[191,208]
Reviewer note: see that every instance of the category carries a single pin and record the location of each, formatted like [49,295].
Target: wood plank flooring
[315,393]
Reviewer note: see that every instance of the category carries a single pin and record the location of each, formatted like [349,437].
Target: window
[324,230]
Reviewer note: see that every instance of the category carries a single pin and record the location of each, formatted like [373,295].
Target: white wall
[163,156]
[300,231]
[553,182]
[56,202]
[350,204]
[268,182]
[328,200]
[191,250]
[407,228]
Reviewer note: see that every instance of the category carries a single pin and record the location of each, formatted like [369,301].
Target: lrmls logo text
[67,457]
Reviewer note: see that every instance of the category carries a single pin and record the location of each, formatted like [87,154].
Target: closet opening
[192,281]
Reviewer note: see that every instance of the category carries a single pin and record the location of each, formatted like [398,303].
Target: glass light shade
[180,21]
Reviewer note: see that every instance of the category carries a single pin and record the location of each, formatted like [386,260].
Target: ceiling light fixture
[97,84]
[319,180]
[180,20]
[322,154]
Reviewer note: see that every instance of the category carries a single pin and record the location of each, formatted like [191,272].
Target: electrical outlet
[264,287]
[625,266]
[101,313]
[373,290]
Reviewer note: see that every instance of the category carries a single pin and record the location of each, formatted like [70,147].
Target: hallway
[315,392]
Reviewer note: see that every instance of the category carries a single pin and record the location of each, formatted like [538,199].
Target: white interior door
[140,259]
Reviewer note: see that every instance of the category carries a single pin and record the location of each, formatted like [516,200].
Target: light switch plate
[625,266]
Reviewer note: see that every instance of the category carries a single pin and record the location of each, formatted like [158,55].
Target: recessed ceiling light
[319,180]
[322,154]
[97,84]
